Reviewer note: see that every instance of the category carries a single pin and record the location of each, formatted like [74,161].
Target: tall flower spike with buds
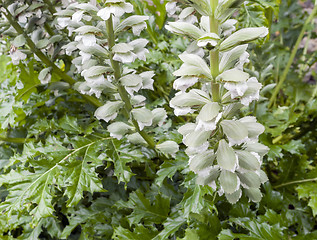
[103,61]
[223,150]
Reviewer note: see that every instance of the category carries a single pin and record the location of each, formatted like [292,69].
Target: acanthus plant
[90,36]
[223,148]
[103,61]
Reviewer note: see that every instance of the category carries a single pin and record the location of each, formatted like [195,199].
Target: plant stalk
[296,182]
[45,59]
[291,59]
[12,140]
[214,55]
[123,93]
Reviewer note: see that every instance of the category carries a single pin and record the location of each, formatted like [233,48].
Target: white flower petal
[184,82]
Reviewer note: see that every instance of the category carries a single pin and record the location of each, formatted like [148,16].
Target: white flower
[70,47]
[16,55]
[118,129]
[117,8]
[184,82]
[236,89]
[205,23]
[109,111]
[228,27]
[233,142]
[171,8]
[208,39]
[97,84]
[252,93]
[63,21]
[85,56]
[137,28]
[147,81]
[187,15]
[143,116]
[139,48]
[244,58]
[208,125]
[159,116]
[123,52]
[178,110]
[23,18]
[77,16]
[87,39]
[194,150]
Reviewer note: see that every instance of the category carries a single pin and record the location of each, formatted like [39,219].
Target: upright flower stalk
[103,61]
[223,149]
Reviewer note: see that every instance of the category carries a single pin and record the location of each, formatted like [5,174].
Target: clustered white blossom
[223,150]
[95,62]
[31,16]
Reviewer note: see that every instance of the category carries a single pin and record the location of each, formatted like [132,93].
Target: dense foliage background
[64,177]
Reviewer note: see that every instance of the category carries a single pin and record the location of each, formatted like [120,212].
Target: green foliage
[62,176]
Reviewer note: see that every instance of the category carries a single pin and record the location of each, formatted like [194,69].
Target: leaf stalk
[122,92]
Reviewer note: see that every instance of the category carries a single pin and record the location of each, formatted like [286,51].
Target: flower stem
[45,59]
[12,140]
[122,92]
[214,54]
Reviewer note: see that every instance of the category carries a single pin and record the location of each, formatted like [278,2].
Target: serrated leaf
[80,175]
[194,201]
[309,191]
[168,169]
[253,15]
[155,212]
[69,124]
[26,188]
[120,155]
[261,230]
[139,233]
[29,188]
[171,225]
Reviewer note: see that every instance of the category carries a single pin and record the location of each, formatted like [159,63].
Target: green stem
[45,59]
[291,59]
[123,93]
[49,29]
[214,55]
[12,140]
[50,6]
[296,182]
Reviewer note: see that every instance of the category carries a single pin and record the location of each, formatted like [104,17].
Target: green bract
[243,36]
[226,156]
